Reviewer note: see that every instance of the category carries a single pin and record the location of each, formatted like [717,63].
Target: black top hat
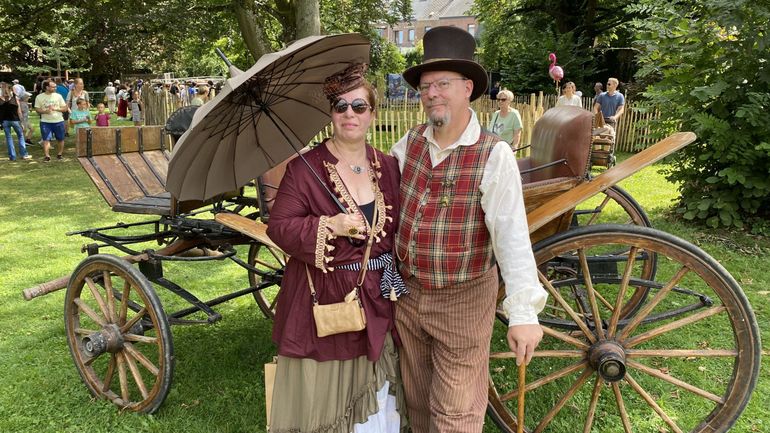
[449,49]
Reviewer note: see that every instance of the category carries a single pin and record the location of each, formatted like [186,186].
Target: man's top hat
[449,49]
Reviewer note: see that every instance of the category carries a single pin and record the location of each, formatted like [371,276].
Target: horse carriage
[643,330]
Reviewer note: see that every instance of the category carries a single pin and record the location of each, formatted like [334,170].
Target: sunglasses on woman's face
[358,105]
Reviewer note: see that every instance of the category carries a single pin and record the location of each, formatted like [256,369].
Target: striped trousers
[445,335]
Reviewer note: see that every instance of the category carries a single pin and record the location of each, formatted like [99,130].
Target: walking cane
[522,388]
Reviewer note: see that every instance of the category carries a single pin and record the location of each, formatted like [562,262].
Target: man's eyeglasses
[358,105]
[441,84]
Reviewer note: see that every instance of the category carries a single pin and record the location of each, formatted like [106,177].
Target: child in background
[81,117]
[137,106]
[25,125]
[102,116]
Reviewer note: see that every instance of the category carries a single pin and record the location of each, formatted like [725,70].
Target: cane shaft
[522,388]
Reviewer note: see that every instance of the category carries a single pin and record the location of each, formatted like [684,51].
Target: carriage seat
[560,154]
[128,165]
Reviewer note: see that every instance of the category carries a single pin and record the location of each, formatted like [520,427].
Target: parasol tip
[233,70]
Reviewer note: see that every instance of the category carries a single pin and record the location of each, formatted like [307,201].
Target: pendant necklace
[356,169]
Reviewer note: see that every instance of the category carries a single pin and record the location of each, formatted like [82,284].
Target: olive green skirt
[331,396]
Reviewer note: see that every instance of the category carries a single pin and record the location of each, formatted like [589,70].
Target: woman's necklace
[356,169]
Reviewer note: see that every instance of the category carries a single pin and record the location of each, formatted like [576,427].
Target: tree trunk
[308,18]
[253,34]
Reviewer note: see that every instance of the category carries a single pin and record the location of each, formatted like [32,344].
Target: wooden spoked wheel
[687,361]
[272,262]
[612,206]
[118,334]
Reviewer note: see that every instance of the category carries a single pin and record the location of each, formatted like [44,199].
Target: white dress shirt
[505,218]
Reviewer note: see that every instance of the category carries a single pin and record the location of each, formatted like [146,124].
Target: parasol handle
[522,389]
[223,57]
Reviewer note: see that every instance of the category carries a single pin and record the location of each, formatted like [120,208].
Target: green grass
[217,384]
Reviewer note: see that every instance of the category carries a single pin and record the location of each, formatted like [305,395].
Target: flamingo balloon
[556,72]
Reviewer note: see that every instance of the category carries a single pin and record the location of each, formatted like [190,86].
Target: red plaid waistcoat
[442,238]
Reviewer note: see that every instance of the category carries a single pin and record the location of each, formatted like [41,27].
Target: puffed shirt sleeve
[399,152]
[506,220]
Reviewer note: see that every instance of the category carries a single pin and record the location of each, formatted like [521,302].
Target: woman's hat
[449,49]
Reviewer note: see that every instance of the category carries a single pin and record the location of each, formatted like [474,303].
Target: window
[398,37]
[472,29]
[381,32]
[410,36]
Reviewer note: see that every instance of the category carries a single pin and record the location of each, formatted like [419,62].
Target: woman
[343,382]
[123,97]
[506,122]
[569,97]
[77,92]
[202,96]
[10,115]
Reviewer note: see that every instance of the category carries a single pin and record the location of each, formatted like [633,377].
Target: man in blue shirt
[611,103]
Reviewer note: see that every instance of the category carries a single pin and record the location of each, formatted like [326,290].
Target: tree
[589,37]
[708,62]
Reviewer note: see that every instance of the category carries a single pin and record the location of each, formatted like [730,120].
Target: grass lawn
[217,383]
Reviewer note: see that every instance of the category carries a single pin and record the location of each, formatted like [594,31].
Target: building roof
[423,10]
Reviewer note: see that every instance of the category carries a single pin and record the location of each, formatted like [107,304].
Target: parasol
[261,117]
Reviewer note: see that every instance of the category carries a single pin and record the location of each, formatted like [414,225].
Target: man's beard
[437,121]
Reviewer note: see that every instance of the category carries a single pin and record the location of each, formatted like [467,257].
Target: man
[611,103]
[18,89]
[598,89]
[63,89]
[461,213]
[51,107]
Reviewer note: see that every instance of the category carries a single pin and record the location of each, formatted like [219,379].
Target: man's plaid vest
[442,239]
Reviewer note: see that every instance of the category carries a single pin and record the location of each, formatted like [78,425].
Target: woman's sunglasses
[358,105]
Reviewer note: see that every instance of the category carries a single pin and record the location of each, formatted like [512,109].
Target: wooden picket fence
[394,118]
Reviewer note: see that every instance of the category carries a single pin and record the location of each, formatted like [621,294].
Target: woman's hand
[350,225]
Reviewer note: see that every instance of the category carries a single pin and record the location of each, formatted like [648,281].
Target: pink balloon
[556,72]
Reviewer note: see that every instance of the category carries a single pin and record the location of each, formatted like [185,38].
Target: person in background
[80,116]
[26,126]
[462,217]
[506,122]
[102,116]
[569,97]
[137,108]
[611,103]
[598,89]
[18,89]
[51,107]
[111,96]
[346,382]
[202,96]
[78,92]
[10,117]
[494,91]
[123,98]
[63,89]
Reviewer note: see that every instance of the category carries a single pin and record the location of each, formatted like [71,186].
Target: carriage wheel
[272,262]
[118,334]
[686,362]
[612,206]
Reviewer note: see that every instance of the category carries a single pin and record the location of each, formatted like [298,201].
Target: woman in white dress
[569,97]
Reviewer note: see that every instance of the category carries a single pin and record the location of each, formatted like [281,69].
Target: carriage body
[119,333]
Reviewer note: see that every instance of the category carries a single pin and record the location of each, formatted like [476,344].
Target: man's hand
[523,339]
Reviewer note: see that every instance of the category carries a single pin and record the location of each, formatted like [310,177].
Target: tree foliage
[589,38]
[708,61]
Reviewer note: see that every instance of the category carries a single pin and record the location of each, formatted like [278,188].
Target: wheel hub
[608,358]
[109,339]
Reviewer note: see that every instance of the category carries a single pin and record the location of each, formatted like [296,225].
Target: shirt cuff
[323,245]
[524,306]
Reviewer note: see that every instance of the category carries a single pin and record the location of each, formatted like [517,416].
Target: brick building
[427,14]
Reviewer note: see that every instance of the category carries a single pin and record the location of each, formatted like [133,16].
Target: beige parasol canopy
[260,117]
